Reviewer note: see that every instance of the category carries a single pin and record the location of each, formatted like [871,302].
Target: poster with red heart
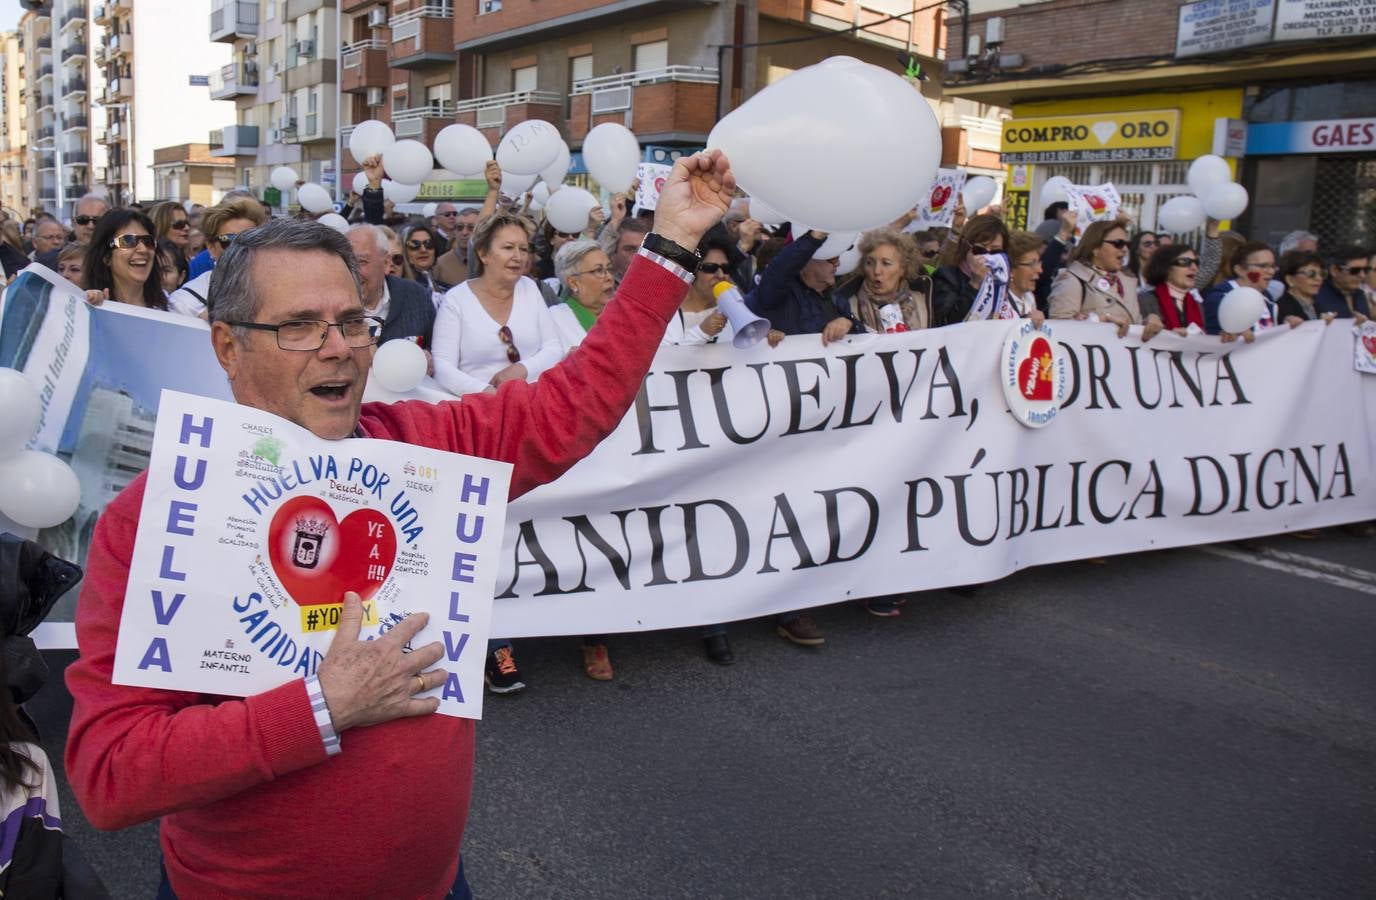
[1364,350]
[1036,375]
[1093,203]
[938,209]
[651,177]
[252,529]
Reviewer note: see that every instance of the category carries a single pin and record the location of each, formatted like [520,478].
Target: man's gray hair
[233,296]
[379,238]
[1292,240]
[569,259]
[87,198]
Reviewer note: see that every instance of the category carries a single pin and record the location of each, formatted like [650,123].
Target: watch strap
[671,251]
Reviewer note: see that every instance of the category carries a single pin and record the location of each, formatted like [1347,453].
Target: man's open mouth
[331,390]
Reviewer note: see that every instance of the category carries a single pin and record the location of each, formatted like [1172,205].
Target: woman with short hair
[1302,272]
[1252,264]
[1171,292]
[892,293]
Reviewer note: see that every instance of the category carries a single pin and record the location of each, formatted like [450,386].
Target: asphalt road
[1173,724]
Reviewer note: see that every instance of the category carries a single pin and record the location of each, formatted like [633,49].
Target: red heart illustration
[659,184]
[1034,373]
[940,194]
[318,558]
[1369,342]
[1095,202]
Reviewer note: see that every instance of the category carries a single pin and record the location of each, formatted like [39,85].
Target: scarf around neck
[585,316]
[1170,313]
[867,307]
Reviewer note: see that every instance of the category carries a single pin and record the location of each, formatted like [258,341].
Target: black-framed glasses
[1356,270]
[85,220]
[512,354]
[310,334]
[183,225]
[567,235]
[398,259]
[1185,262]
[601,271]
[130,241]
[1119,243]
[224,240]
[708,268]
[981,250]
[453,213]
[421,244]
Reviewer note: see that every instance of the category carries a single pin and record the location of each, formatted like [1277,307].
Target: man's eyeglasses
[1119,243]
[130,241]
[464,226]
[85,220]
[512,354]
[711,268]
[602,271]
[1186,262]
[421,244]
[398,259]
[311,334]
[1357,270]
[224,240]
[183,225]
[453,213]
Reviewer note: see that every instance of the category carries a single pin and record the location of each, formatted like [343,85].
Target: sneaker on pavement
[801,630]
[882,607]
[501,674]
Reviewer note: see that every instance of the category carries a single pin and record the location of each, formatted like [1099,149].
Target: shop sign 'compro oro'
[1138,135]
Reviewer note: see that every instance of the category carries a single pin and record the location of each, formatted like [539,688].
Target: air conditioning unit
[377,17]
[274,136]
[305,48]
[376,96]
[491,5]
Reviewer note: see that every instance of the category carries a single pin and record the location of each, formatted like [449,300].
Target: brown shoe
[802,630]
[597,663]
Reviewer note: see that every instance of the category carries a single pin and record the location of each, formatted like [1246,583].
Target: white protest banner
[1093,203]
[252,529]
[938,210]
[45,333]
[652,177]
[1364,347]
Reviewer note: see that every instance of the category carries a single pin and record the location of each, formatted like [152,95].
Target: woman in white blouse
[495,327]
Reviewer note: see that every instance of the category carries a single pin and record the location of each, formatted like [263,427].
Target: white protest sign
[938,210]
[652,177]
[252,529]
[1093,203]
[1364,348]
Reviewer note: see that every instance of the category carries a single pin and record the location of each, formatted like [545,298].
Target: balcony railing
[75,158]
[74,86]
[77,189]
[45,161]
[407,24]
[45,71]
[351,55]
[692,74]
[72,123]
[411,122]
[550,98]
[233,18]
[120,43]
[234,80]
[75,49]
[234,140]
[102,14]
[45,101]
[44,134]
[75,13]
[45,42]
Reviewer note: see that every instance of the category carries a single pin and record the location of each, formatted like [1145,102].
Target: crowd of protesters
[493,293]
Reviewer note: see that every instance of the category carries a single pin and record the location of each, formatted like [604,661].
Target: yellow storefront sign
[460,189]
[1108,137]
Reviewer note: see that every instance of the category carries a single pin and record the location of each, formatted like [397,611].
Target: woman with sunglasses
[172,224]
[1144,244]
[956,282]
[1095,284]
[698,320]
[122,262]
[418,252]
[1253,264]
[221,224]
[551,239]
[1171,292]
[1301,271]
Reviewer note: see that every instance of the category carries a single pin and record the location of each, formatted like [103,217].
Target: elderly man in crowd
[1342,293]
[442,222]
[344,783]
[404,306]
[48,237]
[88,211]
[625,241]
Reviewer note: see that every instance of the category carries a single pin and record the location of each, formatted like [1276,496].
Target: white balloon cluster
[40,490]
[1216,196]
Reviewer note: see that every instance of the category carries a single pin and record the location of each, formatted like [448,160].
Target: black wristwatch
[666,248]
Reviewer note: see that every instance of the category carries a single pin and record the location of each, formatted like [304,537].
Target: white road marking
[1304,566]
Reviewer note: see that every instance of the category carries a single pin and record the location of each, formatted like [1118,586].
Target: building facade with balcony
[190,172]
[40,162]
[154,55]
[13,127]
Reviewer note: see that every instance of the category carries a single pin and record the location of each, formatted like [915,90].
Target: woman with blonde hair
[172,225]
[893,290]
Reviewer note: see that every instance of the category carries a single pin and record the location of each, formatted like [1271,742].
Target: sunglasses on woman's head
[130,241]
[711,268]
[1119,243]
[421,244]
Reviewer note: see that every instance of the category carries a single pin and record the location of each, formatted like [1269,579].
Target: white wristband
[321,711]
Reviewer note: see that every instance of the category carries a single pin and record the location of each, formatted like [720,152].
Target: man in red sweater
[343,784]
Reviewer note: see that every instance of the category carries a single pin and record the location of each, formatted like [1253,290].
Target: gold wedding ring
[420,685]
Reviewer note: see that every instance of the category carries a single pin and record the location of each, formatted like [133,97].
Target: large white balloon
[20,409]
[1206,172]
[848,262]
[842,144]
[335,221]
[408,162]
[314,198]
[978,193]
[514,185]
[553,174]
[1054,191]
[1225,201]
[529,147]
[540,193]
[833,246]
[40,490]
[370,138]
[399,365]
[398,192]
[284,178]
[360,182]
[1240,309]
[1181,214]
[429,210]
[462,149]
[612,155]
[764,213]
[568,208]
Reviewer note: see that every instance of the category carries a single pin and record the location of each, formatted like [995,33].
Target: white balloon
[1225,201]
[529,147]
[848,261]
[1181,214]
[314,198]
[398,192]
[408,162]
[284,178]
[20,409]
[1054,191]
[862,145]
[399,365]
[429,209]
[1206,172]
[764,213]
[568,208]
[462,149]
[833,246]
[360,182]
[514,185]
[335,221]
[40,490]
[553,174]
[370,138]
[539,194]
[978,193]
[612,155]
[1240,309]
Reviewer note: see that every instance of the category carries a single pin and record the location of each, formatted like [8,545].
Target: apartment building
[77,154]
[155,56]
[283,79]
[13,126]
[40,175]
[664,68]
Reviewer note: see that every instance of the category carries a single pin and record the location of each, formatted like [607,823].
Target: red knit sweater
[251,805]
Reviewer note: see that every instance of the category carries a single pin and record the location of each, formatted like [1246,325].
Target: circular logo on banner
[1036,375]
